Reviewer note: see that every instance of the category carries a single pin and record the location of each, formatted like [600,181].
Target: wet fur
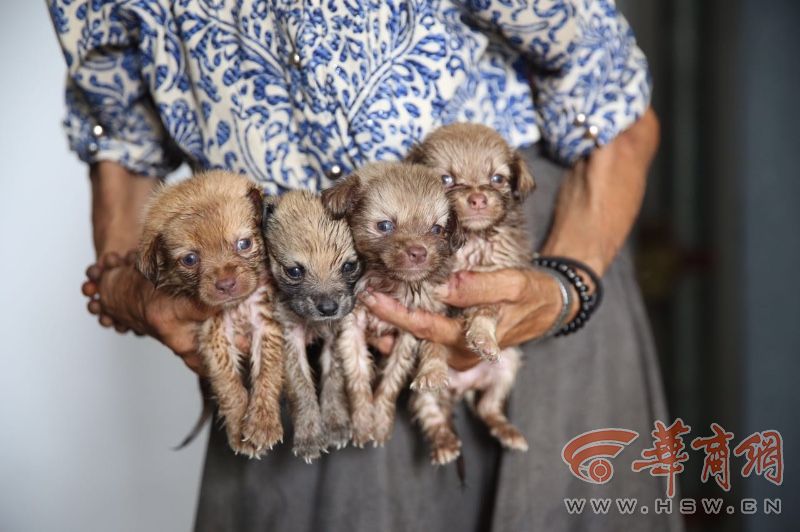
[300,232]
[412,197]
[207,215]
[495,238]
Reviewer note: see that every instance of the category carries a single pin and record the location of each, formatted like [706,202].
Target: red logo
[764,454]
[588,454]
[665,458]
[717,462]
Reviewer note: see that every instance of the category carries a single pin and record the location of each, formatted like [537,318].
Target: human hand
[123,298]
[529,304]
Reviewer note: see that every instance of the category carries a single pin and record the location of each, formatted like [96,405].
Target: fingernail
[93,272]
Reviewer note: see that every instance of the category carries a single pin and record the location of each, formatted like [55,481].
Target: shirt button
[97,130]
[295,59]
[580,119]
[335,172]
[592,132]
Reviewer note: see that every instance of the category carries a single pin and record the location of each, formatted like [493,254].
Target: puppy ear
[149,261]
[416,154]
[455,234]
[343,196]
[522,182]
[270,203]
[256,197]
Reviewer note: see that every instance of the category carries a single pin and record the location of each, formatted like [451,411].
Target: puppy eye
[437,229]
[497,179]
[243,244]
[349,266]
[294,272]
[447,180]
[385,226]
[190,260]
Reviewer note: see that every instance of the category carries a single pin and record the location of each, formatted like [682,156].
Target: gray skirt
[604,376]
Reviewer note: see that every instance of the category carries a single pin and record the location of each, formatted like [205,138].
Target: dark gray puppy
[315,267]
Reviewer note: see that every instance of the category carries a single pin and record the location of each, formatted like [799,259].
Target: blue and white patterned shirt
[294,93]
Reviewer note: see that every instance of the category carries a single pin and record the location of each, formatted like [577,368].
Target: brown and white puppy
[315,268]
[405,232]
[486,181]
[202,240]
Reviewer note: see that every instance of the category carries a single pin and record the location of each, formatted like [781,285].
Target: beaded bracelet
[588,302]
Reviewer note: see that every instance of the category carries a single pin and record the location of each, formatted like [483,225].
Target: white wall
[87,417]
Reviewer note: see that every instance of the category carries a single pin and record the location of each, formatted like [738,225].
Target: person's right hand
[124,299]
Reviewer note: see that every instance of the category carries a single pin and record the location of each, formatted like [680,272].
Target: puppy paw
[310,447]
[510,437]
[259,435]
[445,448]
[337,433]
[362,427]
[382,430]
[431,381]
[336,423]
[235,441]
[483,344]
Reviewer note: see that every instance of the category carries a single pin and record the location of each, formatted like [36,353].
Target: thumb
[467,289]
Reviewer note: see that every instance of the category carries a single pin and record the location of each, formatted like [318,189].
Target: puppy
[202,240]
[486,182]
[315,267]
[405,232]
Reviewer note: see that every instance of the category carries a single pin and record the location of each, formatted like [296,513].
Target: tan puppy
[315,268]
[202,240]
[486,182]
[405,232]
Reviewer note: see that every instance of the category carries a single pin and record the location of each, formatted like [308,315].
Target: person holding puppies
[298,97]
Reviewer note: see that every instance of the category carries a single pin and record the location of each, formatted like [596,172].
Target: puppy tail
[205,415]
[461,470]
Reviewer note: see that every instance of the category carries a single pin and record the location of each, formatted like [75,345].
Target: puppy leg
[263,428]
[490,405]
[306,417]
[433,372]
[351,353]
[434,414]
[481,331]
[393,378]
[333,399]
[222,363]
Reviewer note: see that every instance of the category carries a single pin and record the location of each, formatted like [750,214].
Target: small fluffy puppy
[202,240]
[486,182]
[405,232]
[315,268]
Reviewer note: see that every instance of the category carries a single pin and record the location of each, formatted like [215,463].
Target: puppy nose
[225,284]
[327,307]
[477,201]
[417,254]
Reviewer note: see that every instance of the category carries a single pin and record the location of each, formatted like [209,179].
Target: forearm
[601,197]
[118,201]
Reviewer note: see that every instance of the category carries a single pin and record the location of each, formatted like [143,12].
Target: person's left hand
[529,300]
